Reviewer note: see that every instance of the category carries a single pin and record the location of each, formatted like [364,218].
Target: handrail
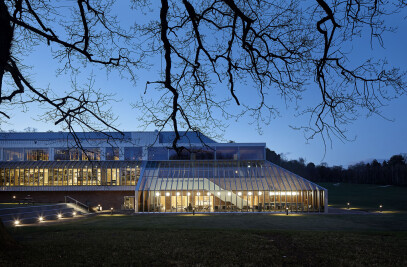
[78,203]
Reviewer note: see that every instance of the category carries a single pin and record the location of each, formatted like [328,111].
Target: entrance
[128,203]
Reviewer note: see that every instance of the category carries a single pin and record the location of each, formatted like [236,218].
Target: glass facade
[75,154]
[63,173]
[212,186]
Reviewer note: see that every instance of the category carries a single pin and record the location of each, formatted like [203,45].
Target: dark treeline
[390,172]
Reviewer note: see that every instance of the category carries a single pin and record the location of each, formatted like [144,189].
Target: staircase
[34,214]
[233,198]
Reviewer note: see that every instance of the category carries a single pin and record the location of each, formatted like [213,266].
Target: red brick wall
[107,199]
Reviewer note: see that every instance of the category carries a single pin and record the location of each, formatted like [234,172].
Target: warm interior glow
[250,193]
[260,193]
[178,193]
[167,194]
[157,194]
[208,194]
[239,193]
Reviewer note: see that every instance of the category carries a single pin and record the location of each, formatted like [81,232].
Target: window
[183,155]
[133,153]
[112,153]
[13,154]
[253,152]
[157,153]
[36,154]
[67,154]
[91,154]
[203,154]
[227,152]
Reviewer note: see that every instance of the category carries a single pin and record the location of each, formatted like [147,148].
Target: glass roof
[220,175]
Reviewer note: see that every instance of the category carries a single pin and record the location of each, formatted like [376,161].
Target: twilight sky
[375,137]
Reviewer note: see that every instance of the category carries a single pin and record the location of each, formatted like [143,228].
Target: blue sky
[375,137]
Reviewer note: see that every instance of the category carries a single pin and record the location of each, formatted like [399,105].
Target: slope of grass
[366,196]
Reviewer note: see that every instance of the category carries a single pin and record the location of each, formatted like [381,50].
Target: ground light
[17,222]
[380,207]
[348,204]
[286,211]
[59,215]
[74,213]
[111,211]
[40,219]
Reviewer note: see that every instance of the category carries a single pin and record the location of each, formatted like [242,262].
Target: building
[138,171]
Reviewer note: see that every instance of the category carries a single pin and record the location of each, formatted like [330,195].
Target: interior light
[188,194]
[157,194]
[208,194]
[59,215]
[198,194]
[248,166]
[229,193]
[235,171]
[250,193]
[74,213]
[239,193]
[260,193]
[271,193]
[218,193]
[167,194]
[178,193]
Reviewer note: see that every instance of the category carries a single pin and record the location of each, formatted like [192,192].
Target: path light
[14,197]
[17,222]
[111,211]
[59,215]
[40,219]
[74,213]
[381,206]
[348,204]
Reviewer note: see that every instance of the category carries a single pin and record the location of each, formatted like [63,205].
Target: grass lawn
[367,197]
[249,239]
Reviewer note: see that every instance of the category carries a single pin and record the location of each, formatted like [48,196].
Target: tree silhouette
[272,47]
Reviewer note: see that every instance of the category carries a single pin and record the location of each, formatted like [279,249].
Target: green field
[367,197]
[371,239]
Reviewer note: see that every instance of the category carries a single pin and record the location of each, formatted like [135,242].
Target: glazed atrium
[139,171]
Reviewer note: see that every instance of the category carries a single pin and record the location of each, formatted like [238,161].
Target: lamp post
[111,211]
[380,207]
[286,211]
[348,204]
